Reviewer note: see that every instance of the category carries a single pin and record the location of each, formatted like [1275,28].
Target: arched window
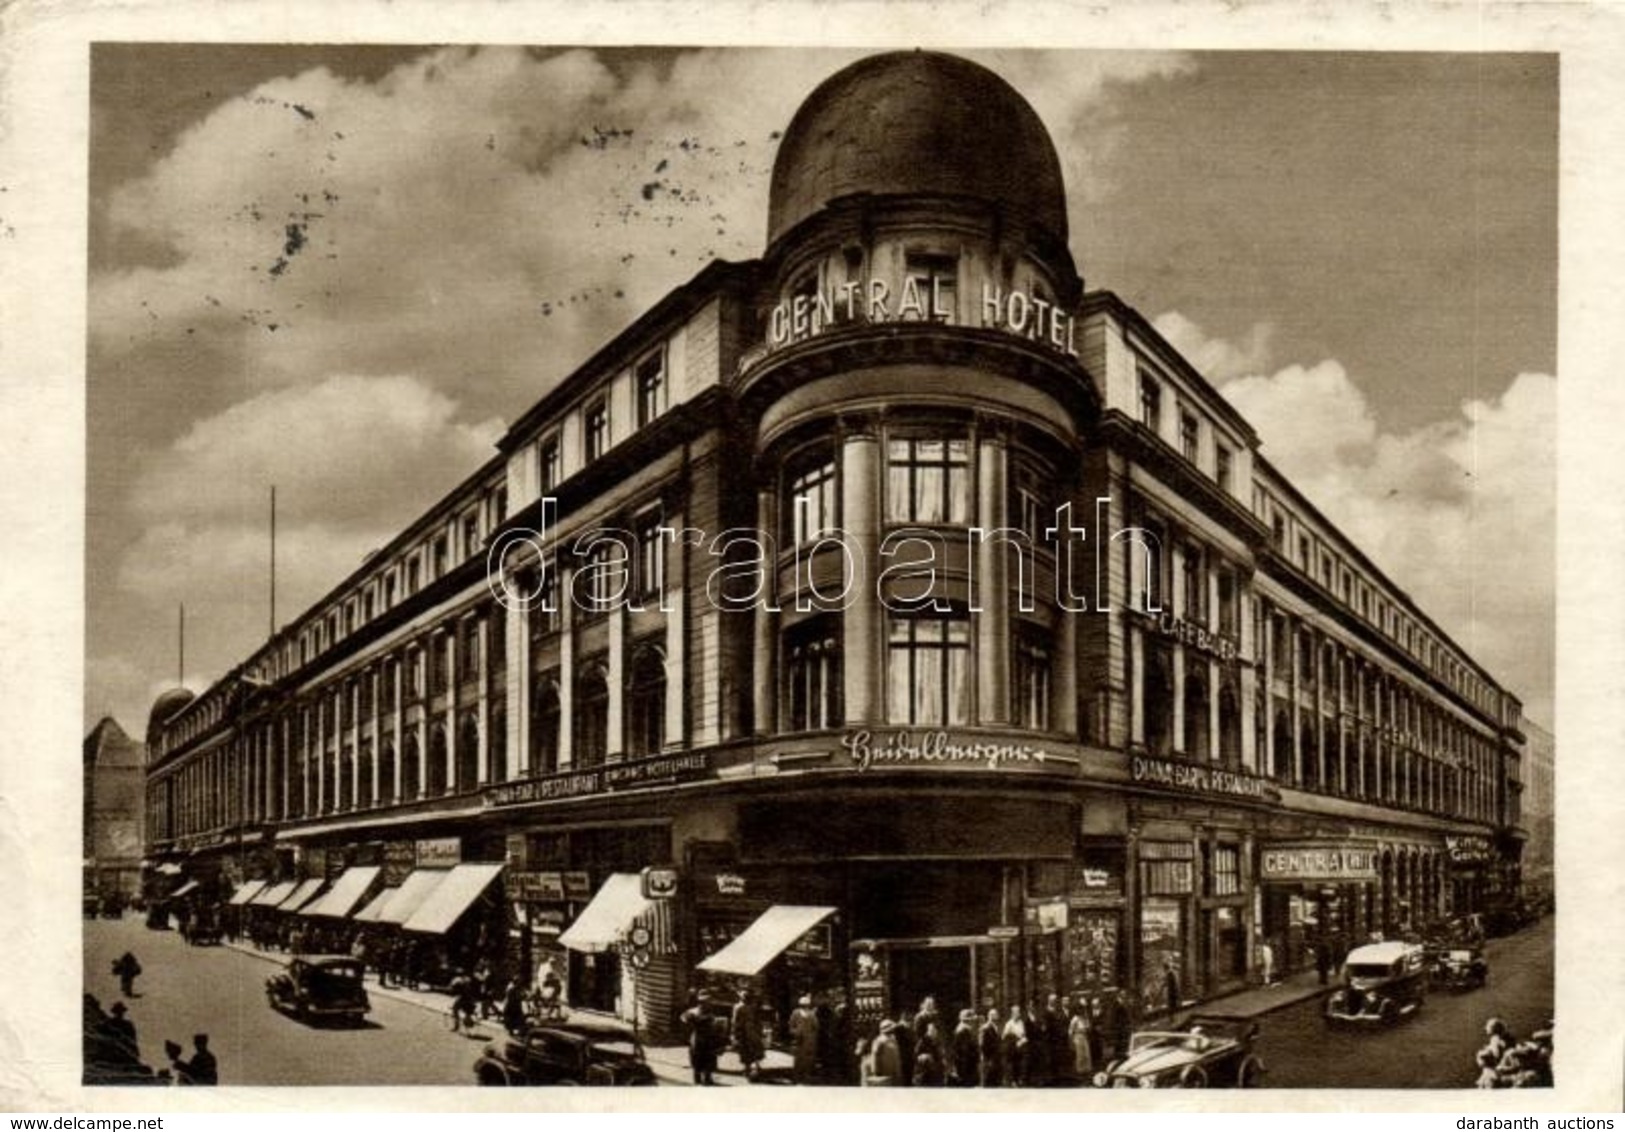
[1284,753]
[411,782]
[592,716]
[1196,718]
[544,727]
[386,773]
[496,745]
[1229,727]
[646,703]
[437,759]
[1312,777]
[1158,698]
[363,768]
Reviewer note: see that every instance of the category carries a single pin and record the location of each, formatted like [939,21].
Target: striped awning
[245,891]
[272,895]
[451,898]
[302,895]
[345,894]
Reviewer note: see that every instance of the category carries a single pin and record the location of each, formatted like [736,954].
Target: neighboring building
[973,789]
[1539,808]
[115,805]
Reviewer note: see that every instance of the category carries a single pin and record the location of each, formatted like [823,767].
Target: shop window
[812,669]
[928,671]
[810,508]
[544,727]
[646,703]
[928,480]
[592,716]
[1226,873]
[1030,688]
[651,385]
[595,427]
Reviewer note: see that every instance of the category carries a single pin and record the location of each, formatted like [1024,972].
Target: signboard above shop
[600,780]
[1201,778]
[1315,862]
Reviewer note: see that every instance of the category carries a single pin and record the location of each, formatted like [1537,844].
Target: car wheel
[493,1077]
[1388,1012]
[1251,1073]
[1194,1077]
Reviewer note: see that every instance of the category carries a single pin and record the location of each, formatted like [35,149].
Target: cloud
[1460,513]
[1218,358]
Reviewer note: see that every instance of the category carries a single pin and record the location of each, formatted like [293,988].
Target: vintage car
[573,1052]
[1382,983]
[318,988]
[1209,1051]
[1460,968]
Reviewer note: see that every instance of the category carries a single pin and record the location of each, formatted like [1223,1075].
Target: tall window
[551,463]
[1222,460]
[936,281]
[468,649]
[604,584]
[1150,403]
[471,534]
[439,556]
[592,716]
[928,671]
[1030,689]
[413,576]
[928,481]
[544,727]
[812,671]
[649,568]
[646,703]
[440,675]
[810,503]
[1229,617]
[1194,583]
[651,382]
[1226,870]
[596,424]
[1188,436]
[546,614]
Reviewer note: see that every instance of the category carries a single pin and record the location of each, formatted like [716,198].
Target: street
[1432,1050]
[221,991]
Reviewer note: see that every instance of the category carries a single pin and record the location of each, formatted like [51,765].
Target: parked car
[1210,1051]
[320,987]
[572,1052]
[1460,968]
[1383,982]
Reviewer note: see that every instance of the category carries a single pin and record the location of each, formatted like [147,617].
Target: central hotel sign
[1020,313]
[1318,862]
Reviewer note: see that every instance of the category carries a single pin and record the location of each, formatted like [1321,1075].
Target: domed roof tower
[164,707]
[918,123]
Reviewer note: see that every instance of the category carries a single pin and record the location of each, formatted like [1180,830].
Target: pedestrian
[462,1001]
[127,967]
[1080,1032]
[1323,961]
[929,1069]
[803,1040]
[965,1059]
[1487,1076]
[1038,1048]
[1170,982]
[1120,1025]
[907,1047]
[885,1060]
[990,1046]
[746,1029]
[1056,1035]
[121,1031]
[1013,1049]
[513,1007]
[1266,960]
[698,1027]
[202,1069]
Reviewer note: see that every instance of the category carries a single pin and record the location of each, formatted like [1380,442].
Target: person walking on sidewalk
[804,1040]
[127,967]
[1266,960]
[1323,960]
[746,1028]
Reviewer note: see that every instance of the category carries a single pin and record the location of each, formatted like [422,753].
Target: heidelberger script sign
[938,748]
[599,779]
[1318,862]
[1200,779]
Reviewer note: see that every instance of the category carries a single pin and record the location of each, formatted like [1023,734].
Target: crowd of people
[1059,1041]
[1504,1062]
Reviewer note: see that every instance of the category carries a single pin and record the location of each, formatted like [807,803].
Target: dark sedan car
[319,988]
[1210,1051]
[573,1052]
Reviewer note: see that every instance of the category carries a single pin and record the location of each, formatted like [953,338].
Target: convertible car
[320,987]
[567,1053]
[1383,982]
[1211,1051]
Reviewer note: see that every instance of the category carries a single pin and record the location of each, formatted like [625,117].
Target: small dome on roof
[166,706]
[917,122]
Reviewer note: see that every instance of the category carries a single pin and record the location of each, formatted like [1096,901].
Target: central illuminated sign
[1020,313]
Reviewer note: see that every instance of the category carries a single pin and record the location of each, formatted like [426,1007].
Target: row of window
[651,394]
[1190,433]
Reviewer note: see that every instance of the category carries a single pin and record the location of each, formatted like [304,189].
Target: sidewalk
[1255,1002]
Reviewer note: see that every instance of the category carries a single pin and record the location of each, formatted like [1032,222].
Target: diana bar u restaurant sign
[1312,861]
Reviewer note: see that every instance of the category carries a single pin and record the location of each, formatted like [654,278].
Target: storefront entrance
[941,973]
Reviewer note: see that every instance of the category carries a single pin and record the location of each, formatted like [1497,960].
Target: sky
[343,270]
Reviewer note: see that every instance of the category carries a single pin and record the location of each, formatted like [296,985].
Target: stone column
[991,623]
[398,791]
[676,604]
[482,709]
[567,668]
[1294,697]
[1266,760]
[861,623]
[375,680]
[764,630]
[454,658]
[615,737]
[1136,691]
[352,693]
[1177,601]
[1064,701]
[322,700]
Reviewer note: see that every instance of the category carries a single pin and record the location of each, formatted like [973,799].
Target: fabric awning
[370,911]
[246,891]
[272,895]
[451,898]
[345,894]
[409,897]
[765,940]
[189,887]
[609,913]
[302,895]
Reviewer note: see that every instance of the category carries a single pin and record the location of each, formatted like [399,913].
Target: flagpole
[273,560]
